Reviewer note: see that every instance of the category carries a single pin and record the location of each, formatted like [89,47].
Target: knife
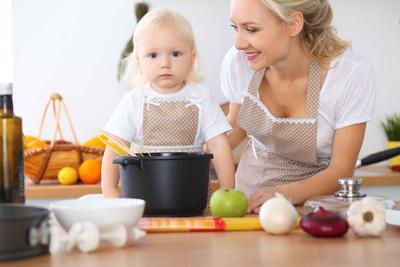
[378,157]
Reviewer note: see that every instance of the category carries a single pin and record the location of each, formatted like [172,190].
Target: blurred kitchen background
[73,47]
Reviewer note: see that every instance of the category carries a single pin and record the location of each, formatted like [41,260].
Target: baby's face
[165,58]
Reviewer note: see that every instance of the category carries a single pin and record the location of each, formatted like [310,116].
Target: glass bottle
[11,150]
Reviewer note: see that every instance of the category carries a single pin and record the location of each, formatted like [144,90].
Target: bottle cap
[6,88]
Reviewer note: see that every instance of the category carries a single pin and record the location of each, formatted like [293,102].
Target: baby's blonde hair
[131,73]
[318,35]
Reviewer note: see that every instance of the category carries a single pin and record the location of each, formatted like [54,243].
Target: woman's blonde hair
[318,34]
[131,73]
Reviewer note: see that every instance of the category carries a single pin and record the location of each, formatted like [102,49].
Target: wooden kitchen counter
[248,249]
[373,175]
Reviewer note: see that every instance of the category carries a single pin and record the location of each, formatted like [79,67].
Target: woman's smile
[252,55]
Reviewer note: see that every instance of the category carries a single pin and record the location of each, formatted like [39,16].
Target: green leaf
[391,127]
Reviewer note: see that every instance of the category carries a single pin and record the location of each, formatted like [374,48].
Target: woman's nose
[240,42]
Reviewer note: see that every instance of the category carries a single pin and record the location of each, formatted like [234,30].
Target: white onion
[277,215]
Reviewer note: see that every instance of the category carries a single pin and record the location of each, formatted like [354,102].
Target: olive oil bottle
[11,150]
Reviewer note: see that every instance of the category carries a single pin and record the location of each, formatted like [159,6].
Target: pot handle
[39,235]
[123,161]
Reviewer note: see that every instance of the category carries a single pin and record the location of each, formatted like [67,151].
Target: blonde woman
[167,110]
[301,96]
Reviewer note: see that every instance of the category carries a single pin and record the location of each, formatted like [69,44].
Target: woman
[300,94]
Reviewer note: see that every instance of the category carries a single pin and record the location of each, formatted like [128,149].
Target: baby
[167,110]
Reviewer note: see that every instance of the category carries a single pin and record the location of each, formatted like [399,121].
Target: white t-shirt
[347,96]
[127,120]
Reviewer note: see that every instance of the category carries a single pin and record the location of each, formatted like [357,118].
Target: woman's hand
[259,197]
[346,146]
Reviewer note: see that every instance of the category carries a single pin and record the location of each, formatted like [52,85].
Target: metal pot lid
[349,192]
[350,188]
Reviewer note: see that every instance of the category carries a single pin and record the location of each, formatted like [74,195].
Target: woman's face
[259,33]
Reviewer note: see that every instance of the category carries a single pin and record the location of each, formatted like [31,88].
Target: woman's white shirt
[347,96]
[127,120]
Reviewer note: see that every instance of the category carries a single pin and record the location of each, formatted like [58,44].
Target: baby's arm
[109,175]
[223,160]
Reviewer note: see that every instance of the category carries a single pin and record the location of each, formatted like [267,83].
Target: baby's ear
[137,61]
[194,57]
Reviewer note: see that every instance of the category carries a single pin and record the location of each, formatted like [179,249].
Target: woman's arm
[109,175]
[346,147]
[223,160]
[237,134]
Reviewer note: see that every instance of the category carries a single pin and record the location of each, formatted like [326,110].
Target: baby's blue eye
[176,53]
[152,55]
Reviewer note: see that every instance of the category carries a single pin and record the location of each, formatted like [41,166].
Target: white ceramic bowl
[101,211]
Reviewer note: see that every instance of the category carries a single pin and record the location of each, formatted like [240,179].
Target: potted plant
[141,9]
[391,126]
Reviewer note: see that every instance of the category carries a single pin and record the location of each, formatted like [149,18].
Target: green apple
[228,203]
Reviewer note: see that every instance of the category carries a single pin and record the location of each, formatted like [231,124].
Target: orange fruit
[36,144]
[90,171]
[27,139]
[31,142]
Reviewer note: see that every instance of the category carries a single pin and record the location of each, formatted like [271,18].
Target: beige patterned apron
[170,125]
[280,150]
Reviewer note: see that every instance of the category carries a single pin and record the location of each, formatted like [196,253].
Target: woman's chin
[256,66]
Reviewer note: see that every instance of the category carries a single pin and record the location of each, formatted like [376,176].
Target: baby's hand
[112,194]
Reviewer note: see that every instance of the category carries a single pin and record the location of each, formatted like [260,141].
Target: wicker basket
[45,163]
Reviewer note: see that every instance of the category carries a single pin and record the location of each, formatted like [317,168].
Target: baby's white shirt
[127,120]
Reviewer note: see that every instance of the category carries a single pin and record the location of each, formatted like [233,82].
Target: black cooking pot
[172,184]
[24,231]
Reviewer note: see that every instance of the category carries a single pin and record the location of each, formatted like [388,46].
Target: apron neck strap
[255,82]
[313,89]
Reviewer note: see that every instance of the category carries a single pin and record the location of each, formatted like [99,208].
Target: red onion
[324,223]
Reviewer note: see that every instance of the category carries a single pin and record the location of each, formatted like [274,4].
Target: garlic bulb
[367,217]
[277,215]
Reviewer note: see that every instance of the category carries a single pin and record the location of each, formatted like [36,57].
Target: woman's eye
[234,27]
[152,55]
[176,53]
[249,29]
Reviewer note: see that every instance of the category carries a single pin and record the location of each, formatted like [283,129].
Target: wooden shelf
[51,189]
[372,175]
[378,175]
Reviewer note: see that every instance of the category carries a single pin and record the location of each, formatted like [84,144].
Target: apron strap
[313,90]
[255,82]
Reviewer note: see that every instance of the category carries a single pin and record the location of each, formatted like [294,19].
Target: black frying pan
[24,231]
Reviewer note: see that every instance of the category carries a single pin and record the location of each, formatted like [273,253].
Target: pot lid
[349,192]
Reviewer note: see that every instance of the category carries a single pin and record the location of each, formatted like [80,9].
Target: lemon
[67,176]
